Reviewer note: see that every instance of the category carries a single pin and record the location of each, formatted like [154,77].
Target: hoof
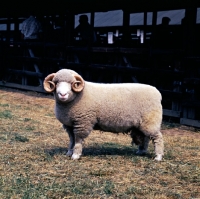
[75,156]
[158,157]
[69,153]
[141,152]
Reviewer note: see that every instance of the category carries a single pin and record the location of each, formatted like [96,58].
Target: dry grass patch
[34,165]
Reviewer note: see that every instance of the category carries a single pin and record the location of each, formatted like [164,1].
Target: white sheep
[82,106]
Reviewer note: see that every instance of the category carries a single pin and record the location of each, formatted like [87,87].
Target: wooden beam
[190,14]
[8,30]
[190,122]
[69,28]
[25,72]
[171,113]
[126,30]
[23,87]
[92,19]
[145,25]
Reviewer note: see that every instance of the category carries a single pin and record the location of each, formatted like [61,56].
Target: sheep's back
[118,107]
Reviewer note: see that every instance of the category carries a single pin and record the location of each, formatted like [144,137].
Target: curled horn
[49,86]
[78,84]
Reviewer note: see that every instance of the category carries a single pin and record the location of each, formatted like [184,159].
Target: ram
[82,106]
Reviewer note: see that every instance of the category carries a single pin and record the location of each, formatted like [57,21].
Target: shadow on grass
[56,151]
[100,150]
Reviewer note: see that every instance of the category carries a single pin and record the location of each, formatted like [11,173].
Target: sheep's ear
[49,86]
[78,84]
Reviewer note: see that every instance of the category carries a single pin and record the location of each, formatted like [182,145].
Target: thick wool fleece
[111,107]
[115,108]
[64,76]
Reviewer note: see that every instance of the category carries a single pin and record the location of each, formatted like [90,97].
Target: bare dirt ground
[182,131]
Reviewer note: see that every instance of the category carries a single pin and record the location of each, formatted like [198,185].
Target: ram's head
[65,84]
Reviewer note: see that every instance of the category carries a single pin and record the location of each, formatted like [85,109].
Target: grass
[6,114]
[33,163]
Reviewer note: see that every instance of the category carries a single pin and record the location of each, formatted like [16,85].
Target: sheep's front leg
[69,130]
[77,151]
[80,133]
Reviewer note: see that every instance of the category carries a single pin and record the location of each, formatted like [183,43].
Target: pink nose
[63,94]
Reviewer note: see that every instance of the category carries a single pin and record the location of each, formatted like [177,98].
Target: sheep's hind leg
[158,145]
[141,140]
[142,149]
[69,130]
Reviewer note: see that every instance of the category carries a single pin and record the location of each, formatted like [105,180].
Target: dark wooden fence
[174,71]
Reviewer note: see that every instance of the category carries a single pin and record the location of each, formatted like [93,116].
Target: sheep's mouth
[63,97]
